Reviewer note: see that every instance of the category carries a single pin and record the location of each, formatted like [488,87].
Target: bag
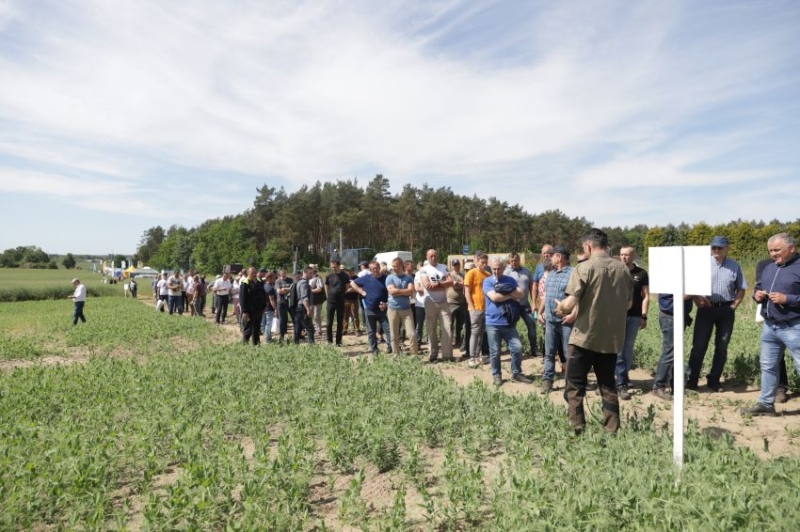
[293,297]
[322,297]
[276,326]
[759,317]
[160,304]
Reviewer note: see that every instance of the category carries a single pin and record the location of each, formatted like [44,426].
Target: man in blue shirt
[717,311]
[557,328]
[372,288]
[400,286]
[502,307]
[778,291]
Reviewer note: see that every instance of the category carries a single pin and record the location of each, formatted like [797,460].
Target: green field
[169,423]
[21,284]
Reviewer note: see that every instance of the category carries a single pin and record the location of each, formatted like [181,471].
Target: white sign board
[679,270]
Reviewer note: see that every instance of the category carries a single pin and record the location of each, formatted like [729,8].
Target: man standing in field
[717,311]
[175,287]
[222,294]
[502,303]
[304,308]
[526,283]
[458,307]
[400,287]
[373,289]
[602,289]
[435,281]
[79,298]
[557,328]
[283,284]
[162,288]
[476,306]
[778,291]
[538,275]
[253,301]
[336,283]
[637,319]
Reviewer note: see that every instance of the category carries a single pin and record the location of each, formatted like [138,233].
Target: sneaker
[389,350]
[713,386]
[520,378]
[623,393]
[485,360]
[339,345]
[547,387]
[497,380]
[474,363]
[691,385]
[661,393]
[759,409]
[781,396]
[432,359]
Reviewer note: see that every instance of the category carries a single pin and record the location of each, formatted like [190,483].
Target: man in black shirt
[335,286]
[637,319]
[253,301]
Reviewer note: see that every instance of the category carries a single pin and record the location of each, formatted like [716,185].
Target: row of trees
[31,257]
[315,217]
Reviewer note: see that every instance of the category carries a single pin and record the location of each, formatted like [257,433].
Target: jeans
[580,361]
[221,306]
[283,316]
[373,319]
[303,321]
[664,371]
[175,304]
[197,303]
[530,323]
[396,317]
[419,312]
[708,318]
[497,334]
[335,308]
[266,324]
[556,339]
[78,313]
[460,322]
[775,339]
[625,357]
[434,313]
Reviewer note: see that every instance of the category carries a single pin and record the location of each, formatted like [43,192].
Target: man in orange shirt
[476,304]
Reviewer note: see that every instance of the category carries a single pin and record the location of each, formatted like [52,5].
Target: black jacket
[252,298]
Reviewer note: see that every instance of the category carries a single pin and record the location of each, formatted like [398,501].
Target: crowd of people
[590,314]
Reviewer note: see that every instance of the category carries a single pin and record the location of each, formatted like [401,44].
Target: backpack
[293,297]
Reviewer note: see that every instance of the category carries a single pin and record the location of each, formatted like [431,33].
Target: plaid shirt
[726,279]
[554,288]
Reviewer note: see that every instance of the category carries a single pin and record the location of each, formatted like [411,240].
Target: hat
[455,261]
[218,276]
[262,270]
[719,242]
[313,266]
[561,250]
[75,280]
[468,265]
[363,263]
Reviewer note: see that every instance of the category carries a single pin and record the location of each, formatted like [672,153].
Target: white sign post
[679,270]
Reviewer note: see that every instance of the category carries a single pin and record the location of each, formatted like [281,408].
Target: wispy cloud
[580,96]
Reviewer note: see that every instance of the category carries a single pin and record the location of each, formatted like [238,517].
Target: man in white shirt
[435,281]
[222,294]
[163,292]
[79,298]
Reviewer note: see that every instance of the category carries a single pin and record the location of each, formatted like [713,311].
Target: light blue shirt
[726,279]
[402,282]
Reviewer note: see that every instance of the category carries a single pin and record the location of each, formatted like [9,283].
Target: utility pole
[341,246]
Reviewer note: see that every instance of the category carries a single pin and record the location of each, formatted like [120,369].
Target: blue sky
[119,116]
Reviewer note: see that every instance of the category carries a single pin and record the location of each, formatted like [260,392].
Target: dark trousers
[530,323]
[462,328]
[303,321]
[283,313]
[419,313]
[579,363]
[708,319]
[221,306]
[251,329]
[335,307]
[78,313]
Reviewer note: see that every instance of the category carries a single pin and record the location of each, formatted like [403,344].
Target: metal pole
[678,370]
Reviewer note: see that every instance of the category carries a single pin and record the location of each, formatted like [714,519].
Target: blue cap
[719,242]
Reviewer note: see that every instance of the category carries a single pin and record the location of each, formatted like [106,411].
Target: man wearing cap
[538,275]
[637,319]
[476,306]
[283,285]
[79,298]
[318,297]
[716,312]
[557,328]
[458,307]
[336,284]
[526,283]
[778,291]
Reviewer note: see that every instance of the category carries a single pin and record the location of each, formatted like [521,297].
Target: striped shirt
[554,288]
[726,279]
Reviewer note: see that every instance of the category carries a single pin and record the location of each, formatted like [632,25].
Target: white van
[389,256]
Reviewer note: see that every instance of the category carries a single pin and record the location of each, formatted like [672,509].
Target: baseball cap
[455,261]
[262,270]
[719,242]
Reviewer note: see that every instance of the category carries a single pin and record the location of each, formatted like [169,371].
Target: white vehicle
[389,256]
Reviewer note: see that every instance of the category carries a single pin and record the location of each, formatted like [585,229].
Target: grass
[192,431]
[19,284]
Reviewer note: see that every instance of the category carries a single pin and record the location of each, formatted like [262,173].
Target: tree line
[315,218]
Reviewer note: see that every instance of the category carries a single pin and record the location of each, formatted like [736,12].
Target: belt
[722,304]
